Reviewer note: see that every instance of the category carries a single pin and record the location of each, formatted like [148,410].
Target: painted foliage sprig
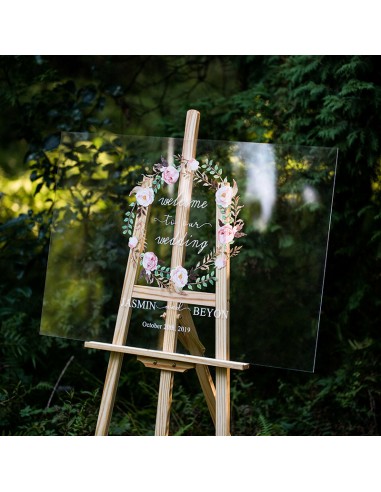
[215,175]
[205,264]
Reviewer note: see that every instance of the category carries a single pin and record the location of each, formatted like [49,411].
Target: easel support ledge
[158,354]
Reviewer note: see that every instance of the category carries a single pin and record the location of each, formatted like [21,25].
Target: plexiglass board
[276,206]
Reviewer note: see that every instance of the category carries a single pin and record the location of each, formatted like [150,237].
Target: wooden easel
[167,360]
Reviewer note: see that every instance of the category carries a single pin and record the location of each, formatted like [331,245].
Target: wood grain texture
[177,259]
[222,345]
[167,364]
[159,354]
[188,297]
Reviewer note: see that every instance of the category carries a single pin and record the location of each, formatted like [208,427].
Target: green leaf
[190,287]
[286,241]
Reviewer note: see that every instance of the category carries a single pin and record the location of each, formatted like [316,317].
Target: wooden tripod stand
[167,360]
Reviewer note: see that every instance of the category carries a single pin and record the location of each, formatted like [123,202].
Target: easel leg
[109,392]
[166,377]
[222,344]
[222,401]
[119,338]
[164,403]
[177,258]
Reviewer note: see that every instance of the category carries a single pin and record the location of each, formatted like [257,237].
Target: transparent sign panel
[275,203]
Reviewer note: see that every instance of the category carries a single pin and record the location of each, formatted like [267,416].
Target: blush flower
[144,196]
[224,196]
[226,234]
[150,262]
[192,165]
[133,241]
[220,262]
[179,277]
[170,174]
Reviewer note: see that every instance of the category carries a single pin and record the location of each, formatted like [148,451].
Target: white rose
[193,165]
[144,196]
[226,234]
[133,241]
[224,196]
[170,174]
[150,262]
[179,277]
[220,261]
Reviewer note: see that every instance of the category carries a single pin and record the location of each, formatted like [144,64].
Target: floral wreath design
[230,227]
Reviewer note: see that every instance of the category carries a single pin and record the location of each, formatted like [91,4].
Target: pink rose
[220,261]
[170,174]
[150,262]
[133,242]
[224,196]
[226,234]
[144,196]
[193,165]
[179,277]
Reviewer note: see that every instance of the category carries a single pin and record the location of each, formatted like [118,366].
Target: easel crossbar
[158,354]
[158,294]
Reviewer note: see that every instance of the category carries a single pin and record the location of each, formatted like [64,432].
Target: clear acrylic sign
[275,203]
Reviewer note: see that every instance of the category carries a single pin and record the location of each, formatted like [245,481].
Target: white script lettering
[217,313]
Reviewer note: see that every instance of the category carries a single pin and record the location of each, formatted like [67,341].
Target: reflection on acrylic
[261,180]
[275,204]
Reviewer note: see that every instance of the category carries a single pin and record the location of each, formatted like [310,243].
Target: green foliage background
[51,386]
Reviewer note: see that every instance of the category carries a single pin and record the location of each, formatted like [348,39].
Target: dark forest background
[52,386]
